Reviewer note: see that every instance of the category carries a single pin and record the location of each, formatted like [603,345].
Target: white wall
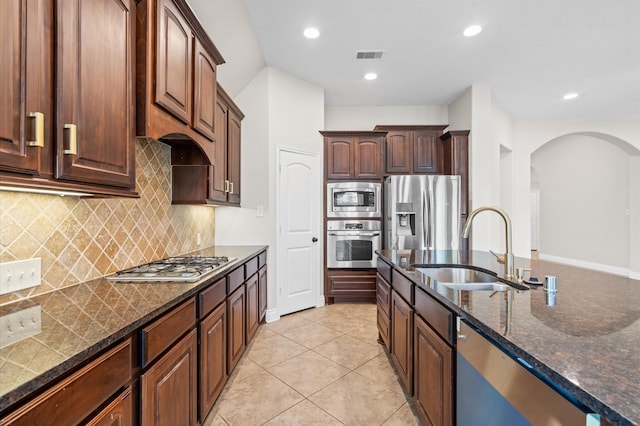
[531,135]
[584,198]
[367,117]
[280,110]
[228,24]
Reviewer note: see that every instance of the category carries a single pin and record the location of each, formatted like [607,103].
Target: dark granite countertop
[80,321]
[588,342]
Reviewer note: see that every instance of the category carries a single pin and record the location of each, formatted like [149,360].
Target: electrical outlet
[260,211]
[19,275]
[20,325]
[198,239]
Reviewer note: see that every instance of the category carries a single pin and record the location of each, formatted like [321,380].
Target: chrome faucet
[507,259]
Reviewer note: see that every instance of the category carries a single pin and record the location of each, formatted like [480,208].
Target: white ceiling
[531,52]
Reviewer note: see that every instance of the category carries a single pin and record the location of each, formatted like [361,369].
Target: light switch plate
[19,275]
[20,325]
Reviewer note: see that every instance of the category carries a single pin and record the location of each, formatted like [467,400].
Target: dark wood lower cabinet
[401,339]
[168,388]
[236,327]
[118,413]
[433,380]
[253,313]
[262,293]
[213,358]
[350,286]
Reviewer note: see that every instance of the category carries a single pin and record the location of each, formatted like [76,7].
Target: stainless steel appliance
[422,212]
[179,268]
[495,388]
[353,199]
[353,243]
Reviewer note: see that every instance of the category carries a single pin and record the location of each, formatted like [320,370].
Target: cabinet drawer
[251,267]
[212,297]
[402,286]
[160,334]
[383,294]
[383,327]
[384,269]
[73,399]
[436,315]
[262,259]
[235,279]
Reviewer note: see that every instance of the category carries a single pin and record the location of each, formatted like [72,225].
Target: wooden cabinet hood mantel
[176,78]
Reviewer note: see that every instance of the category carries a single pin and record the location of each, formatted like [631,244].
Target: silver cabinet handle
[226,186]
[231,190]
[39,129]
[73,139]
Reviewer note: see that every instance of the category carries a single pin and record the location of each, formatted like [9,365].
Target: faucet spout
[509,271]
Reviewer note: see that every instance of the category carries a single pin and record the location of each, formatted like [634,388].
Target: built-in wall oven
[353,243]
[353,199]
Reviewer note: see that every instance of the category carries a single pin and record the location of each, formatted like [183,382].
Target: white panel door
[298,216]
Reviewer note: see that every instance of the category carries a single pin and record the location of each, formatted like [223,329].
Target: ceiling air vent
[371,54]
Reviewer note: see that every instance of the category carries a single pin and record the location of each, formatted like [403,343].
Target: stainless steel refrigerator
[422,212]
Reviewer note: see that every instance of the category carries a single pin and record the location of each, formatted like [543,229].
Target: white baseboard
[320,301]
[272,315]
[591,265]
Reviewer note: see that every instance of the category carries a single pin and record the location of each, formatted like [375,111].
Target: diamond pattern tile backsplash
[80,239]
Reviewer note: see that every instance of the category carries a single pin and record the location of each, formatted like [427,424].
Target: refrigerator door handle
[426,211]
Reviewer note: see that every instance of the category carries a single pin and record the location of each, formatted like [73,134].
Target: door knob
[314,240]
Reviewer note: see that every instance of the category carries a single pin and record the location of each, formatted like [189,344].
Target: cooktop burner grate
[179,268]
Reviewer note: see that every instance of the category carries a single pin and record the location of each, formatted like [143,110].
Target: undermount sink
[464,279]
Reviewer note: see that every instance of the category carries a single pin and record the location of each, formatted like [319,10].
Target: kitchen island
[82,322]
[587,341]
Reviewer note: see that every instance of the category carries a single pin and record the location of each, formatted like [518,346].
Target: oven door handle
[354,234]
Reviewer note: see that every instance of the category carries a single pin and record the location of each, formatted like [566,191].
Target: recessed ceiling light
[570,96]
[370,76]
[311,33]
[472,30]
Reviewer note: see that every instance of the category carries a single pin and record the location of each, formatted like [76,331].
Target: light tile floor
[321,366]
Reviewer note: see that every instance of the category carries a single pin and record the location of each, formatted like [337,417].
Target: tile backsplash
[80,239]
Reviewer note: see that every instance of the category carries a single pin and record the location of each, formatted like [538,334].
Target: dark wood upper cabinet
[218,175]
[176,78]
[413,149]
[204,107]
[25,84]
[353,155]
[233,156]
[80,137]
[94,81]
[174,61]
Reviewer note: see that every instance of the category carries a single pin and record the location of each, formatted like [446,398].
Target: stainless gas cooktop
[180,268]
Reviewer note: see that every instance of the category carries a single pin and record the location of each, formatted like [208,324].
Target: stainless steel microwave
[354,199]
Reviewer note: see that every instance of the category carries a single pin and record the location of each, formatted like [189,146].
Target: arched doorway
[585,198]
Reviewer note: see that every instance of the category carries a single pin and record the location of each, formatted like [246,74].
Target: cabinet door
[168,389]
[233,161]
[253,313]
[262,293]
[339,158]
[399,152]
[213,358]
[25,84]
[118,413]
[218,175]
[174,61]
[95,56]
[204,92]
[433,391]
[351,286]
[236,327]
[401,339]
[427,148]
[368,158]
